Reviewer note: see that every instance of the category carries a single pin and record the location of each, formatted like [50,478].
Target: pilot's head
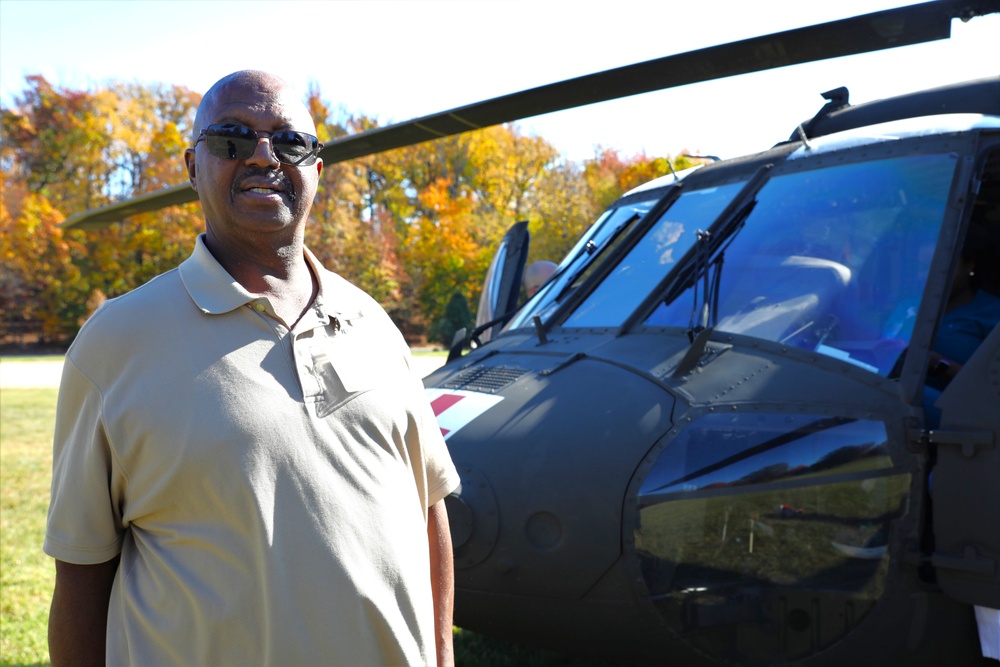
[536,275]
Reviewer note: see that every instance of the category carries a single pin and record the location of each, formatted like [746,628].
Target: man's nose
[263,153]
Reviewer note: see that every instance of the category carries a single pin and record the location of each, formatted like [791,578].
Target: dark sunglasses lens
[235,142]
[231,142]
[294,147]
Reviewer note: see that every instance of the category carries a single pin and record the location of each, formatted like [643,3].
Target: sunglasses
[235,142]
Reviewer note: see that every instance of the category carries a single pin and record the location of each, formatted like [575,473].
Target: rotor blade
[861,34]
[98,218]
[871,32]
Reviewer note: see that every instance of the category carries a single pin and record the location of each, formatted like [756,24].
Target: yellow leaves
[37,262]
[413,226]
[76,150]
[36,226]
[441,252]
[147,132]
[609,175]
[320,113]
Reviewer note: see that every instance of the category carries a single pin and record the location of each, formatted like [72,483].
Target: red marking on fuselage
[443,402]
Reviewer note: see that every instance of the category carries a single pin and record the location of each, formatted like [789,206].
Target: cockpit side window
[972,307]
[611,227]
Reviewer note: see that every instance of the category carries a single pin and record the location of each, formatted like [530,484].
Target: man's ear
[189,165]
[319,167]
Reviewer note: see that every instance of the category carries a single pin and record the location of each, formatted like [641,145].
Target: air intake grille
[489,379]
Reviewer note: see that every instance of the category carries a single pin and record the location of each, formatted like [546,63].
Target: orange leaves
[413,226]
[69,150]
[440,253]
[38,272]
[609,175]
[443,245]
[439,198]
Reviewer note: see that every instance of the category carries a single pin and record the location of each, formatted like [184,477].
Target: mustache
[275,176]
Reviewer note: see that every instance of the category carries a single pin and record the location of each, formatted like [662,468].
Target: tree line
[415,227]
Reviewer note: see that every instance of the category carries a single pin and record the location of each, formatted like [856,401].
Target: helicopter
[704,441]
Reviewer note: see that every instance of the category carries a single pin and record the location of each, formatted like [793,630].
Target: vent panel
[487,380]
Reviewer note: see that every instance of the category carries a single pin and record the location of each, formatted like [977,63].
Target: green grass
[26,574]
[472,650]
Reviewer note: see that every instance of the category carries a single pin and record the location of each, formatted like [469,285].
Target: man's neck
[280,273]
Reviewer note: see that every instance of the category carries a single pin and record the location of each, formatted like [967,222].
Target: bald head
[536,274]
[256,89]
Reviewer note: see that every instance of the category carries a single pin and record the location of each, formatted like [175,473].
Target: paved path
[25,374]
[46,372]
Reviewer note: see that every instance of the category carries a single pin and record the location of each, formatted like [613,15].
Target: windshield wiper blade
[705,252]
[710,298]
[595,252]
[697,324]
[720,232]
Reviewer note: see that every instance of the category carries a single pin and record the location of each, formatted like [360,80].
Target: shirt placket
[309,340]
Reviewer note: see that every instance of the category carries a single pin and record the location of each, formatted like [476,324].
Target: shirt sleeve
[442,477]
[84,523]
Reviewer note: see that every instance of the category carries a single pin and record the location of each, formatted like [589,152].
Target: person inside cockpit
[972,311]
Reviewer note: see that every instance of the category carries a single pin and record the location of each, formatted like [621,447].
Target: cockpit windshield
[832,259]
[652,258]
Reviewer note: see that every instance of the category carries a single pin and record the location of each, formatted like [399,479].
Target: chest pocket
[353,363]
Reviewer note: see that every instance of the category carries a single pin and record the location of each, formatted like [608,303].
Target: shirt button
[260,307]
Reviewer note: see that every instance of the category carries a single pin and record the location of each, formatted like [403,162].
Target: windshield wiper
[595,252]
[709,315]
[704,254]
[708,252]
[697,324]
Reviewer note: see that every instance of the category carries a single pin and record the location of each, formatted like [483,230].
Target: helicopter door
[503,281]
[966,490]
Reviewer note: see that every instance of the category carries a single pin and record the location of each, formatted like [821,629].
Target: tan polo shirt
[267,489]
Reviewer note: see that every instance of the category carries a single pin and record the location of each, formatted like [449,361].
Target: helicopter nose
[460,519]
[473,518]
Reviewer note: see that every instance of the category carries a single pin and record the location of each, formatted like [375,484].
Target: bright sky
[399,60]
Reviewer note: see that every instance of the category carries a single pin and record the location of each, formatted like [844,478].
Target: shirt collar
[215,292]
[210,286]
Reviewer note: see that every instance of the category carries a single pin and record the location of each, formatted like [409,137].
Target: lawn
[27,575]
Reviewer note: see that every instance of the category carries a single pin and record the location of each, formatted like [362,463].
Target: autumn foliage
[414,227]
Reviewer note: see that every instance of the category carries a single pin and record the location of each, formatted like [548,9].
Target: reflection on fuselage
[743,513]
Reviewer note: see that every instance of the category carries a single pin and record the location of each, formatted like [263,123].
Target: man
[246,471]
